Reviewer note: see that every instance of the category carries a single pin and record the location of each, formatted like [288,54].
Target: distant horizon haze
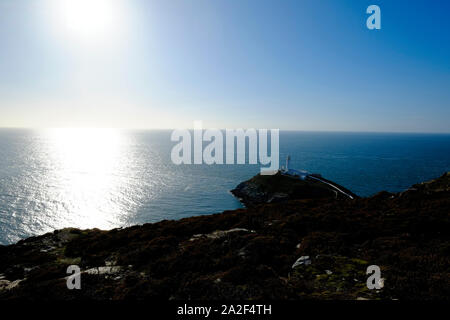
[232,128]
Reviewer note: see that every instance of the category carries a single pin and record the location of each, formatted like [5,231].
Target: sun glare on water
[86,166]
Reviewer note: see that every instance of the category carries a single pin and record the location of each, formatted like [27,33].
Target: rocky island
[283,187]
[296,240]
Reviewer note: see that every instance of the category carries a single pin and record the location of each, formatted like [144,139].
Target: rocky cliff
[280,188]
[298,249]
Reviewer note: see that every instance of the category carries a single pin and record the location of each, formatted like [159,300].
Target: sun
[89,19]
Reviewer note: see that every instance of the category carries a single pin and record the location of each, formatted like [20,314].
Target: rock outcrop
[280,188]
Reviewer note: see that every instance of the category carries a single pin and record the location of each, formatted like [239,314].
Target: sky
[290,65]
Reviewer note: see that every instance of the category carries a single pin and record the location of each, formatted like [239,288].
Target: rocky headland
[296,240]
[278,188]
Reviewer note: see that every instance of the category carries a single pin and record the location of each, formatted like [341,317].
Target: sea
[108,178]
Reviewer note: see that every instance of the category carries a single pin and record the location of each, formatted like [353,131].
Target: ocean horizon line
[234,128]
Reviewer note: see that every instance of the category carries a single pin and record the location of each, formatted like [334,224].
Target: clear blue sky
[303,65]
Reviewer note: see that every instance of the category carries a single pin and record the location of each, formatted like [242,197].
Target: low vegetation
[405,234]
